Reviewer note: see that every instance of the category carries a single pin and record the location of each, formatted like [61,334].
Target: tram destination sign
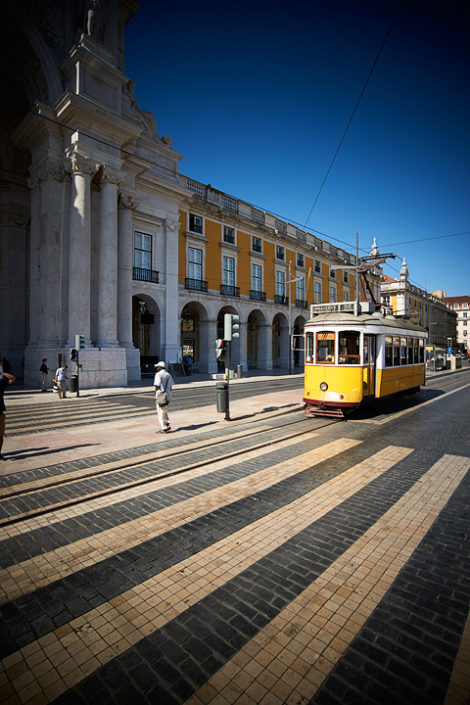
[341,307]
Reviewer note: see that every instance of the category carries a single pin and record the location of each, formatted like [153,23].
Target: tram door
[369,366]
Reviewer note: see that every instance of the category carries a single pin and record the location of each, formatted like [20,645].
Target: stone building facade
[101,234]
[403,298]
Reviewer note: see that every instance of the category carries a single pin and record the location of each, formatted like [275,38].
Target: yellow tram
[351,359]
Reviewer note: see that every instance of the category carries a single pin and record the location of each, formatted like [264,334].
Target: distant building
[404,299]
[461,306]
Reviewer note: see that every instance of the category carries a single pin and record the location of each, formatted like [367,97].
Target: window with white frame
[229,235]
[195,223]
[332,273]
[300,289]
[256,277]
[142,250]
[317,292]
[228,272]
[346,295]
[300,260]
[256,244]
[464,305]
[346,277]
[194,263]
[280,253]
[332,294]
[317,266]
[280,283]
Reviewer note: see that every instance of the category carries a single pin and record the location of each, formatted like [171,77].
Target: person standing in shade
[60,377]
[5,380]
[163,383]
[44,370]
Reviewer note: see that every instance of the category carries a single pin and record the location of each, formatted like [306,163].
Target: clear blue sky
[256,95]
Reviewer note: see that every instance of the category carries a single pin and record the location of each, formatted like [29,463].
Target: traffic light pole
[227,374]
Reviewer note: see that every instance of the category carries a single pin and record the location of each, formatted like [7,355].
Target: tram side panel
[393,380]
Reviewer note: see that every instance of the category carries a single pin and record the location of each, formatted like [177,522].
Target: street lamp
[289,282]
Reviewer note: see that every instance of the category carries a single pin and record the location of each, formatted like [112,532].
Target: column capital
[171,224]
[126,201]
[110,175]
[77,163]
[46,169]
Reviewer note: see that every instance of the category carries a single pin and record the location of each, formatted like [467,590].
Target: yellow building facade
[234,258]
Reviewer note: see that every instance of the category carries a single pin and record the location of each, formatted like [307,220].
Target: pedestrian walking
[163,383]
[59,379]
[44,370]
[5,380]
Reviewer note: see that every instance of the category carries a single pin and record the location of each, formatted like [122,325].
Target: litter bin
[239,371]
[73,383]
[221,389]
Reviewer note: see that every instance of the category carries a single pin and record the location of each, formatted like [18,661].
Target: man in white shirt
[163,383]
[60,377]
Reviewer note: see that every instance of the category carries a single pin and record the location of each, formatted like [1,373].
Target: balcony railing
[145,275]
[257,295]
[300,303]
[279,299]
[197,284]
[228,290]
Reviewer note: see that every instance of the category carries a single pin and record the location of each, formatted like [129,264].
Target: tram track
[32,494]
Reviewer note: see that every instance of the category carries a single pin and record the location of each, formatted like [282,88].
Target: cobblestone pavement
[273,559]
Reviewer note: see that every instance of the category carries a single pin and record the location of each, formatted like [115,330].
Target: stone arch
[146,330]
[256,340]
[280,341]
[298,341]
[194,336]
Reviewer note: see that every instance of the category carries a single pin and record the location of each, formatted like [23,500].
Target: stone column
[108,259]
[243,350]
[125,263]
[171,349]
[207,337]
[268,346]
[81,169]
[34,263]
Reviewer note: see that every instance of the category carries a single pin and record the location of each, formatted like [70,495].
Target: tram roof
[365,319]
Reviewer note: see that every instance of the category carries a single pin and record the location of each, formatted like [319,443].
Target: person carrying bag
[163,383]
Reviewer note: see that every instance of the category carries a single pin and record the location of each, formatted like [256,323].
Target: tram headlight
[323,386]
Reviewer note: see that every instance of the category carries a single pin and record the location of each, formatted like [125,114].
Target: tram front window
[326,348]
[348,352]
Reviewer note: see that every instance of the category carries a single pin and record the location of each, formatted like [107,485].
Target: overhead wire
[361,94]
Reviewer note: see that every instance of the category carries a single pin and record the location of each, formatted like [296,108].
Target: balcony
[228,290]
[257,295]
[196,284]
[145,275]
[300,303]
[280,299]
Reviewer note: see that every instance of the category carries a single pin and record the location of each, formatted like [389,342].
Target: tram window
[421,350]
[348,351]
[402,351]
[326,348]
[410,350]
[388,351]
[309,348]
[396,352]
[415,351]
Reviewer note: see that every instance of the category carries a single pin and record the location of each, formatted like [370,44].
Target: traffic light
[231,326]
[220,349]
[73,354]
[79,342]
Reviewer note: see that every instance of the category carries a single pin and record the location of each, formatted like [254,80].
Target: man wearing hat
[163,383]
